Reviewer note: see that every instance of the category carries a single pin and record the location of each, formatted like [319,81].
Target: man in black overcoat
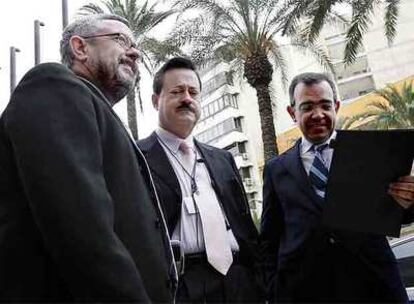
[79,216]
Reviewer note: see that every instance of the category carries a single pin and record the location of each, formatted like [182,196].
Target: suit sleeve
[408,217]
[55,138]
[271,229]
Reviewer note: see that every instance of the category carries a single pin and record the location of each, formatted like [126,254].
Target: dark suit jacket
[78,216]
[226,182]
[306,262]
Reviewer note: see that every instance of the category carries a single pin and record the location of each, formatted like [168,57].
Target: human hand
[403,191]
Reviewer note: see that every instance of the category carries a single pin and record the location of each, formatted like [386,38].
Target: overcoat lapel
[160,164]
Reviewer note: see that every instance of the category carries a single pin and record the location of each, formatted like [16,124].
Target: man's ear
[79,48]
[155,98]
[337,105]
[291,111]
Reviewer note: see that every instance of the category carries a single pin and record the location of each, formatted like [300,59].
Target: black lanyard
[193,184]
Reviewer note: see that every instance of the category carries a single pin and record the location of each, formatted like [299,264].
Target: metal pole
[13,52]
[64,13]
[37,25]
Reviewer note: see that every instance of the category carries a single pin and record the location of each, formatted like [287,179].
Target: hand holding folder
[364,164]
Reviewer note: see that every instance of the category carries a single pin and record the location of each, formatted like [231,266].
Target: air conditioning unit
[248,182]
[245,156]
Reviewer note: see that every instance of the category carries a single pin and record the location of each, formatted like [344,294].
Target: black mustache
[185,106]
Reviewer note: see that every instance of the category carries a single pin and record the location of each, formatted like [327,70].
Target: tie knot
[320,148]
[184,147]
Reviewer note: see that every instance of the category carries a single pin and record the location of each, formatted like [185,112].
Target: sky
[17,29]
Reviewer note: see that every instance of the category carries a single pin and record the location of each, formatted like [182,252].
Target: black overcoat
[79,217]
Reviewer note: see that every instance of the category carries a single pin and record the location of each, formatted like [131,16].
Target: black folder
[364,163]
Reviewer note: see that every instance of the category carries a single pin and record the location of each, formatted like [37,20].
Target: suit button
[157,223]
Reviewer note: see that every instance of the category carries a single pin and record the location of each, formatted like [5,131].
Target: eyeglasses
[123,40]
[307,107]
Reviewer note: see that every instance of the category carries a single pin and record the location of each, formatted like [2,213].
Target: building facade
[224,123]
[230,116]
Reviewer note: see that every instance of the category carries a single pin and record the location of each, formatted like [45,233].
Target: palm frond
[159,51]
[293,11]
[319,14]
[361,18]
[89,9]
[280,63]
[391,15]
[393,110]
[318,51]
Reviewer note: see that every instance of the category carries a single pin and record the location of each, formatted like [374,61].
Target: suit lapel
[160,164]
[293,164]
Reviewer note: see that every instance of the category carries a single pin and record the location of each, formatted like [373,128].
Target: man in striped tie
[304,261]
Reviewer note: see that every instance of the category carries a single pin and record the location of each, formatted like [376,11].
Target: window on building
[251,198]
[236,148]
[227,126]
[241,147]
[245,172]
[212,108]
[233,149]
[238,124]
[216,82]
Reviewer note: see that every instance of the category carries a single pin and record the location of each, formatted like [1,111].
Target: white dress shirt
[307,154]
[189,230]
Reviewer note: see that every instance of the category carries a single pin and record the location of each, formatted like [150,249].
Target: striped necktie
[318,173]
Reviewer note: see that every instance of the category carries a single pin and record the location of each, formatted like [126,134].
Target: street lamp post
[64,13]
[37,25]
[13,51]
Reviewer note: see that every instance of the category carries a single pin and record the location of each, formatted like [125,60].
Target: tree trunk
[258,72]
[132,114]
[266,121]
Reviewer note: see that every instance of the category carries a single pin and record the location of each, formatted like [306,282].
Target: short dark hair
[309,79]
[172,64]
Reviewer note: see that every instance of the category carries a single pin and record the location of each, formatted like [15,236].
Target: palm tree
[394,110]
[243,32]
[315,12]
[142,19]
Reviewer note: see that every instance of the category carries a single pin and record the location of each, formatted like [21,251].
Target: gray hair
[84,26]
[310,79]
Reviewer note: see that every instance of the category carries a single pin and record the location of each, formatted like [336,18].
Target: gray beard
[116,88]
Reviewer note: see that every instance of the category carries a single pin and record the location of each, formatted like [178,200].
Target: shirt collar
[173,141]
[306,145]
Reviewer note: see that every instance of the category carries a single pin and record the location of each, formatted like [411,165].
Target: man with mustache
[305,262]
[201,194]
[80,218]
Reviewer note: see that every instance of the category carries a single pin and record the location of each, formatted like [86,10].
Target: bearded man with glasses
[80,218]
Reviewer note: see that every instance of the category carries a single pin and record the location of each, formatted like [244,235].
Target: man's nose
[133,54]
[186,97]
[317,112]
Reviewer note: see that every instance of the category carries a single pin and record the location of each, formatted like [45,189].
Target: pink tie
[218,249]
[188,156]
